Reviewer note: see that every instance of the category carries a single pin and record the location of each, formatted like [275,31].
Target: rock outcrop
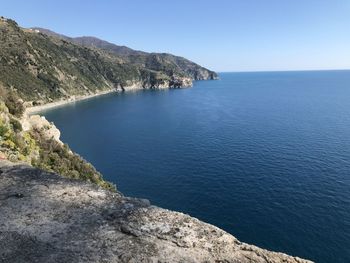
[47,218]
[38,122]
[173,83]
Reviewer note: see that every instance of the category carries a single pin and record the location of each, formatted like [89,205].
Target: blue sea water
[264,156]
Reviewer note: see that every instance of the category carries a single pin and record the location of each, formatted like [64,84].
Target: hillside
[155,61]
[46,68]
[35,141]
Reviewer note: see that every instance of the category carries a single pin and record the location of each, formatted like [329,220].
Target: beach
[72,99]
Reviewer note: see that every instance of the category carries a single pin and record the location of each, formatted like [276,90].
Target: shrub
[14,104]
[3,129]
[16,125]
[58,158]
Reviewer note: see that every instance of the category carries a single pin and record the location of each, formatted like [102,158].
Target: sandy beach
[73,99]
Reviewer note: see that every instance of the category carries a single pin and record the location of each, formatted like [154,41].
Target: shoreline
[32,110]
[37,109]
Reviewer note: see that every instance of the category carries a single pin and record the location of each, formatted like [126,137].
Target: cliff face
[47,218]
[46,68]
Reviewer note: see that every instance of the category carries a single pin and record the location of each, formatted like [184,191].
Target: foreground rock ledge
[47,218]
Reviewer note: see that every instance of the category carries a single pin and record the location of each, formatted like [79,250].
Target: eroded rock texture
[47,218]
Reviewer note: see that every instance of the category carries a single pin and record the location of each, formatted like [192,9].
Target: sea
[263,155]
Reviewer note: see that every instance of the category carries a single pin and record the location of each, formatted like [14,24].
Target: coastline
[31,110]
[36,109]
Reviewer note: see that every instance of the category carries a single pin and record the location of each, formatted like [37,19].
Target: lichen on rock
[48,218]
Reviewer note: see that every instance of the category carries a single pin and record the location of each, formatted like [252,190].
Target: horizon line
[288,70]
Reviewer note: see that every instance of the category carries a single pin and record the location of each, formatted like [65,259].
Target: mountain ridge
[137,57]
[79,38]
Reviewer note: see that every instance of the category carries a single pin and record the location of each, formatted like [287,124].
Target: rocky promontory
[48,218]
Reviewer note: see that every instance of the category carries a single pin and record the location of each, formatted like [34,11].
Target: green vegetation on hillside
[160,62]
[45,68]
[34,148]
[12,101]
[59,158]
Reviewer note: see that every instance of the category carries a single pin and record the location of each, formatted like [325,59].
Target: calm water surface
[265,156]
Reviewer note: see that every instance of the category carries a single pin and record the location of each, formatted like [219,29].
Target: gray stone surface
[47,218]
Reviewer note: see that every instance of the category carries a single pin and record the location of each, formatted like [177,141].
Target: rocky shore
[48,218]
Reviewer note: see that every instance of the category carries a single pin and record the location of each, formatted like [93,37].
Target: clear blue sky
[232,35]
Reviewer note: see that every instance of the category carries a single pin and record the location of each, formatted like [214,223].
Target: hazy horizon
[287,70]
[231,36]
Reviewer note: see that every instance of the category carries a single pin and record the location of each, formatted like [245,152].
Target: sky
[223,35]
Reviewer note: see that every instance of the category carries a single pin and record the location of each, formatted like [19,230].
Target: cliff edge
[48,218]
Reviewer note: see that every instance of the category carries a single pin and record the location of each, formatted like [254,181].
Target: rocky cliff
[47,218]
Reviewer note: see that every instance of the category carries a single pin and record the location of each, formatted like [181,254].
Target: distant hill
[42,65]
[155,61]
[95,42]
